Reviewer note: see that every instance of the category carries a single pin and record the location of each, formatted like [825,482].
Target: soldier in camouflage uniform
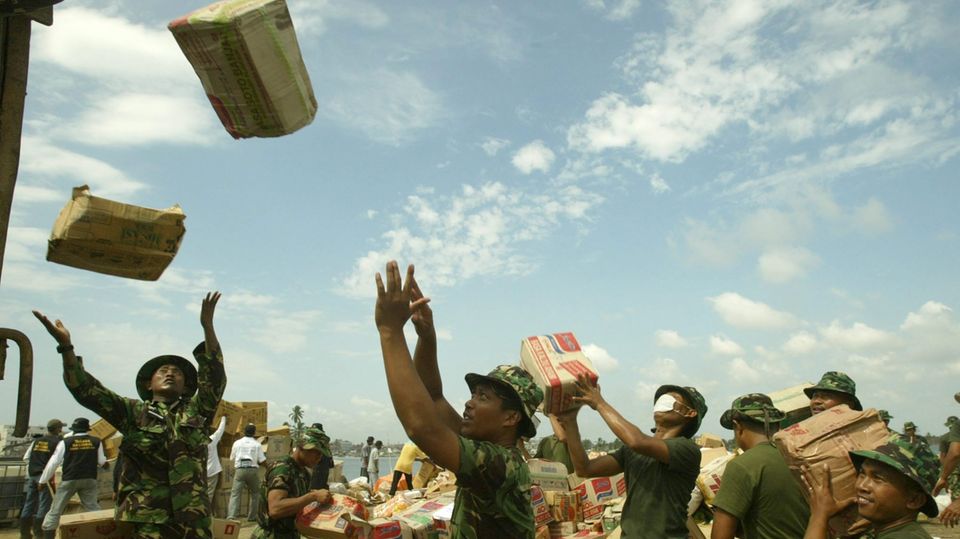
[165,433]
[885,417]
[894,485]
[953,482]
[285,489]
[910,433]
[833,389]
[493,481]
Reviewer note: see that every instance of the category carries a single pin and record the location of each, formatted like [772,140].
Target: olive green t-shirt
[658,493]
[910,530]
[758,489]
[493,493]
[551,448]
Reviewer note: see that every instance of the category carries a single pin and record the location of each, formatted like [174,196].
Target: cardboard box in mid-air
[555,361]
[246,54]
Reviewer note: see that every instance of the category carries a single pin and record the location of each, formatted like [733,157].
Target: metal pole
[15,58]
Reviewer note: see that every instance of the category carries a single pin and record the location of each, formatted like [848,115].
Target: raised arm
[87,390]
[584,466]
[411,400]
[627,432]
[211,375]
[425,358]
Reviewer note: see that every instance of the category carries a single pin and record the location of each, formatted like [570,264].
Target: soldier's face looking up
[885,495]
[167,382]
[824,400]
[484,415]
[679,413]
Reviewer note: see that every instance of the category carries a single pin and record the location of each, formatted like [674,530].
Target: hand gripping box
[332,519]
[826,438]
[113,238]
[248,60]
[555,361]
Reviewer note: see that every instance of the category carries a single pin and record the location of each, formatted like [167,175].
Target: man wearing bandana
[660,470]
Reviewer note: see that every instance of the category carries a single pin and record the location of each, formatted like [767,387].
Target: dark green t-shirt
[493,493]
[658,493]
[910,530]
[551,448]
[758,489]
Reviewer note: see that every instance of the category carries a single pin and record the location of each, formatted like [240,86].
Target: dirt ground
[935,530]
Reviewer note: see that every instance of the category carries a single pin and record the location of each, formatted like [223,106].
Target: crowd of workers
[166,473]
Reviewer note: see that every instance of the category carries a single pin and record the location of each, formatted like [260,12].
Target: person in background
[885,417]
[554,447]
[285,488]
[365,458]
[404,466]
[953,482]
[833,389]
[893,487]
[81,455]
[36,501]
[374,464]
[246,455]
[758,495]
[165,432]
[320,477]
[213,462]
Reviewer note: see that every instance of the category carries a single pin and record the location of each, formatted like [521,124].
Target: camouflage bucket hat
[519,382]
[908,425]
[910,460]
[884,415]
[837,382]
[693,397]
[951,420]
[756,407]
[314,438]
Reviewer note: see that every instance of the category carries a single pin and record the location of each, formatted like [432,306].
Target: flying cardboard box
[248,60]
[548,475]
[793,402]
[330,519]
[826,438]
[598,491]
[555,361]
[113,238]
[102,429]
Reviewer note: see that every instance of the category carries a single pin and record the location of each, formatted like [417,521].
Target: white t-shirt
[247,452]
[374,464]
[213,459]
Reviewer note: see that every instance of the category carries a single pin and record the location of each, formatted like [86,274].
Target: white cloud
[387,106]
[600,357]
[535,156]
[745,313]
[43,159]
[668,338]
[872,217]
[27,194]
[858,336]
[800,343]
[786,264]
[660,371]
[658,184]
[723,346]
[475,232]
[285,332]
[615,10]
[743,371]
[706,244]
[313,17]
[492,145]
[129,119]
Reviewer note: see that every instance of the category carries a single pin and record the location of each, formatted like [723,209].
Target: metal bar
[26,379]
[15,52]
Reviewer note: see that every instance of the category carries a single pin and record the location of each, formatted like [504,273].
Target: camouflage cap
[909,425]
[914,461]
[885,415]
[837,382]
[314,438]
[752,406]
[693,397]
[519,382]
[951,420]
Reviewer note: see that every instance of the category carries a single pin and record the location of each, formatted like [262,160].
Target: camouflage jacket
[283,474]
[163,475]
[493,493]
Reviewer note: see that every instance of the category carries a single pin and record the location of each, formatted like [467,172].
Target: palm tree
[296,432]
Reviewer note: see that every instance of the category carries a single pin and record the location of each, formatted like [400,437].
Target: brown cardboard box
[109,237]
[234,414]
[105,481]
[227,473]
[555,361]
[248,60]
[711,472]
[225,529]
[101,429]
[428,471]
[335,475]
[277,446]
[826,438]
[253,412]
[709,441]
[94,525]
[111,446]
[329,520]
[597,491]
[548,475]
[564,506]
[793,402]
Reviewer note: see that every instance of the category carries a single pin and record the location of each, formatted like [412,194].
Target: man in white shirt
[213,461]
[374,464]
[80,454]
[247,455]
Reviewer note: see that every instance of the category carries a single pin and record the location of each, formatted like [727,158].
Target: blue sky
[733,195]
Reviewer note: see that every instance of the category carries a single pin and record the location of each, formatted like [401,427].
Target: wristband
[61,348]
